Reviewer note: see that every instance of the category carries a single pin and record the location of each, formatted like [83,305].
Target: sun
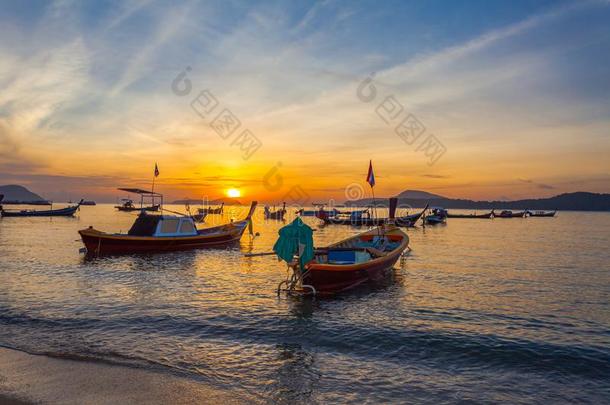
[233,193]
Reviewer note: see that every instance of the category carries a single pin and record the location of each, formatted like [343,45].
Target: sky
[289,100]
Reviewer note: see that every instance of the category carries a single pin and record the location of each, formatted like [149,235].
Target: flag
[156,171]
[370,177]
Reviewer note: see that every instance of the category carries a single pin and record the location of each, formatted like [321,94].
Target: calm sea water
[513,310]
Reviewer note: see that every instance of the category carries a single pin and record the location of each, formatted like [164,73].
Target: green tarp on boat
[295,238]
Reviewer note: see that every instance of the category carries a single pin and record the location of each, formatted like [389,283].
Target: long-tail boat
[279,214]
[312,213]
[510,214]
[541,213]
[162,233]
[61,212]
[363,218]
[474,216]
[437,216]
[339,267]
[210,210]
[129,206]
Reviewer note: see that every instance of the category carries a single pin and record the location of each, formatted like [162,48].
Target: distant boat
[312,213]
[541,213]
[88,202]
[128,204]
[480,216]
[437,216]
[364,218]
[210,210]
[163,233]
[510,214]
[279,214]
[62,212]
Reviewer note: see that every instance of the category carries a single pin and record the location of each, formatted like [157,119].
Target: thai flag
[370,177]
[156,171]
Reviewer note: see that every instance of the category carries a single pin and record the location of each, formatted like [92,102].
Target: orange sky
[519,105]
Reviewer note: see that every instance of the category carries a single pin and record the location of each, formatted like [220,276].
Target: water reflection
[296,375]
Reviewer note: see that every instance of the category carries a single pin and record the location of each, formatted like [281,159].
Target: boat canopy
[141,192]
[162,225]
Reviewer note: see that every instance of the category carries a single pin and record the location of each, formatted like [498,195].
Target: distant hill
[418,195]
[18,194]
[579,201]
[218,201]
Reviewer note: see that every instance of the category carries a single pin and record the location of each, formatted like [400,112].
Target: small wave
[435,348]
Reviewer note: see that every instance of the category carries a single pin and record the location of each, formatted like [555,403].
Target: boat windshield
[144,225]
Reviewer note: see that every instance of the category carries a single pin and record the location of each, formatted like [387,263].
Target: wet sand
[27,378]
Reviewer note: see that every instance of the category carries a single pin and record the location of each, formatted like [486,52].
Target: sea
[479,311]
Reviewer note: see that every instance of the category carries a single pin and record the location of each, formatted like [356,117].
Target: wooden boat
[359,259]
[279,214]
[312,213]
[210,210]
[510,214]
[89,202]
[474,216]
[163,233]
[356,260]
[437,216]
[363,218]
[129,206]
[61,212]
[409,221]
[541,213]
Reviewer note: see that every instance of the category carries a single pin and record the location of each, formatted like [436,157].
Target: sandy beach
[27,378]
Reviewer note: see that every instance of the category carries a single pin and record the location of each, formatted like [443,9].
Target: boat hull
[542,215]
[434,220]
[100,243]
[511,215]
[470,216]
[63,212]
[332,282]
[329,279]
[407,221]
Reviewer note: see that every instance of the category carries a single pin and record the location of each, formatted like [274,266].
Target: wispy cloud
[98,94]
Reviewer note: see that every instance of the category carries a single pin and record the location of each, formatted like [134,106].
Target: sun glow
[233,193]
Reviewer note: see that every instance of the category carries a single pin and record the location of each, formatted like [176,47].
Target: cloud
[435,176]
[170,23]
[102,93]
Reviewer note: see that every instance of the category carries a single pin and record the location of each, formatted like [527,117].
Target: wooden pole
[374,201]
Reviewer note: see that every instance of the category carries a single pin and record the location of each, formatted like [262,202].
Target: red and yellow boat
[363,258]
[163,233]
[368,256]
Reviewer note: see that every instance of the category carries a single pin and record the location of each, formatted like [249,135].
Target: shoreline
[31,378]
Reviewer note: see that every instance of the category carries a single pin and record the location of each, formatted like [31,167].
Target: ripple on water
[482,310]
